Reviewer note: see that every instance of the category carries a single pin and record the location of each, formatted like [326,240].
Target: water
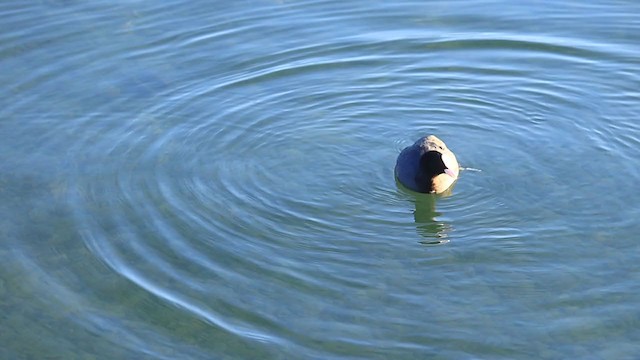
[211,180]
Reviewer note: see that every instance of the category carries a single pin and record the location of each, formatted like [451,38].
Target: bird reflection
[431,231]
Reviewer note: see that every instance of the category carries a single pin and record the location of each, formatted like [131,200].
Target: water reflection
[431,230]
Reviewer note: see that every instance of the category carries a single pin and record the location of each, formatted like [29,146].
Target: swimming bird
[427,166]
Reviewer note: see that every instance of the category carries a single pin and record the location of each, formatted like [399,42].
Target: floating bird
[427,166]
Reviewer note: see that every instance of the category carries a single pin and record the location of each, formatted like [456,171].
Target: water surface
[211,180]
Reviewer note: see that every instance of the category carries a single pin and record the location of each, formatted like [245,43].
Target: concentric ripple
[236,182]
[283,171]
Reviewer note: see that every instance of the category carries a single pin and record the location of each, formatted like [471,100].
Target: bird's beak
[449,172]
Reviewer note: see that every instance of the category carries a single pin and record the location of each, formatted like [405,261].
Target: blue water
[214,180]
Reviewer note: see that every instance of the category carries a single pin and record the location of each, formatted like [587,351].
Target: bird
[427,166]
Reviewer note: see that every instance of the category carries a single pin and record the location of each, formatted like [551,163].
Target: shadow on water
[431,230]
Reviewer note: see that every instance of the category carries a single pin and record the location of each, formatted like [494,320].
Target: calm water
[214,180]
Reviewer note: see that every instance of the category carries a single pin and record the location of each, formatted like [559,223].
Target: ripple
[269,166]
[227,184]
